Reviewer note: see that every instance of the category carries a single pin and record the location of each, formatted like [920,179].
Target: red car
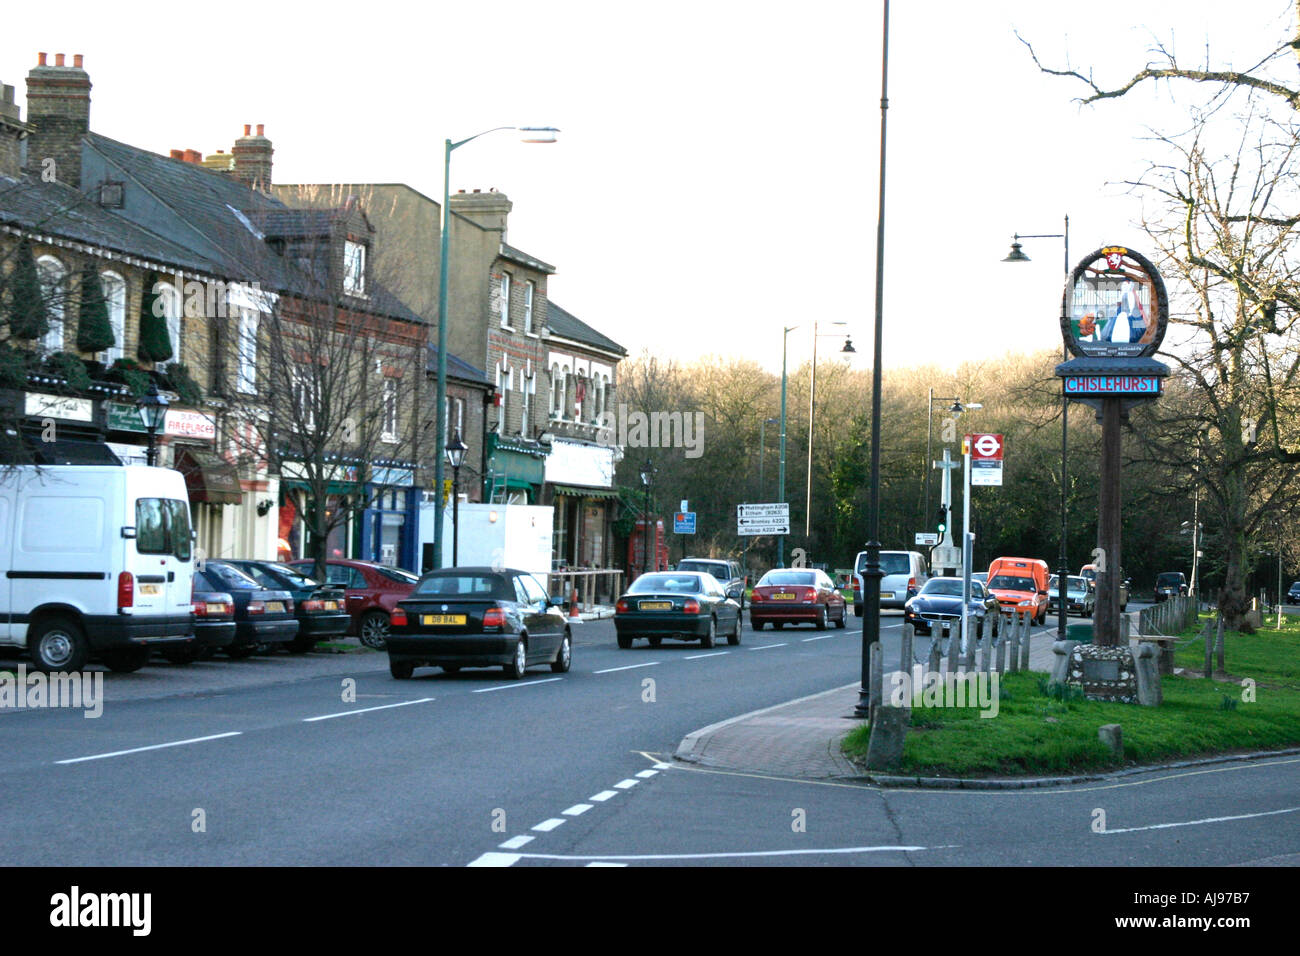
[372,591]
[796,596]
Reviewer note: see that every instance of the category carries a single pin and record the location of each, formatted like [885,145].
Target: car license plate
[275,605]
[655,605]
[216,609]
[784,597]
[444,620]
[887,595]
[150,589]
[331,605]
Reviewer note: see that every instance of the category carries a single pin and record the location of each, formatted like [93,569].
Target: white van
[904,574]
[97,559]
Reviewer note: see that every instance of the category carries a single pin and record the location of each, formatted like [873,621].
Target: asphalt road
[552,770]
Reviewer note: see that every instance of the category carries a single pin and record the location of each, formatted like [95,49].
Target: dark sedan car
[1170,584]
[1293,595]
[796,596]
[686,605]
[214,626]
[372,591]
[938,605]
[320,608]
[478,617]
[262,616]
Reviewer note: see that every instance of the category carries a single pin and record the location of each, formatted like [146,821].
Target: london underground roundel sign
[1115,305]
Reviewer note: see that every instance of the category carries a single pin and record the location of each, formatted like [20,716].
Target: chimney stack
[12,131]
[58,110]
[252,163]
[489,209]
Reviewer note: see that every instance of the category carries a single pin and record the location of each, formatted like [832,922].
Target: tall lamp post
[812,406]
[762,447]
[455,452]
[647,478]
[1063,561]
[956,408]
[532,134]
[153,412]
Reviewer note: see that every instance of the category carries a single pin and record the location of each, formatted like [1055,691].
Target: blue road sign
[684,522]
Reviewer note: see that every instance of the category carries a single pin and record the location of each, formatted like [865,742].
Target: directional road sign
[773,518]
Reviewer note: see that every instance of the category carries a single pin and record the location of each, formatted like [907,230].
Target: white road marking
[599,863]
[739,853]
[626,784]
[696,657]
[663,766]
[577,809]
[546,826]
[603,795]
[822,638]
[1193,823]
[763,647]
[366,710]
[646,774]
[496,859]
[136,750]
[527,683]
[515,843]
[629,667]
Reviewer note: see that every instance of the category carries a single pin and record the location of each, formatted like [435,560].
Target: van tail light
[125,590]
[494,617]
[857,584]
[622,607]
[256,607]
[691,606]
[396,619]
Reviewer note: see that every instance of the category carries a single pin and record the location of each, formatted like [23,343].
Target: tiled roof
[457,368]
[569,326]
[523,258]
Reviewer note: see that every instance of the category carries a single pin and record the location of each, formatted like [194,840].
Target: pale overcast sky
[716,176]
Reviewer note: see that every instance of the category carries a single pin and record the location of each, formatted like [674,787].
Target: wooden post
[1025,642]
[905,652]
[1106,616]
[1218,646]
[1004,641]
[986,647]
[1209,648]
[936,658]
[877,680]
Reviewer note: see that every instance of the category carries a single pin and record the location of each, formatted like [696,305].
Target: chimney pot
[178,154]
[260,127]
[76,60]
[58,59]
[478,190]
[40,59]
[247,129]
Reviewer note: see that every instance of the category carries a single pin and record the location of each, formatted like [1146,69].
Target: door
[546,625]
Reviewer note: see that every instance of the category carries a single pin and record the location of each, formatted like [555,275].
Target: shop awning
[209,478]
[577,491]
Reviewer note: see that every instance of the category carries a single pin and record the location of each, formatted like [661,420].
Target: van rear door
[160,556]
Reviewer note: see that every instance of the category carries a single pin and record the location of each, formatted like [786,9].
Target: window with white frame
[390,410]
[246,372]
[51,273]
[505,385]
[354,268]
[525,402]
[559,388]
[115,299]
[503,303]
[453,417]
[529,288]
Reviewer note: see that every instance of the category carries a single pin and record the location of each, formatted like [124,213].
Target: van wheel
[58,644]
[124,660]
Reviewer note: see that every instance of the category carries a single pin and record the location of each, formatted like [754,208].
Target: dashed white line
[1192,823]
[366,710]
[763,647]
[626,784]
[646,774]
[516,842]
[603,795]
[821,638]
[546,826]
[663,766]
[496,859]
[696,657]
[602,863]
[834,851]
[527,683]
[576,810]
[629,667]
[136,750]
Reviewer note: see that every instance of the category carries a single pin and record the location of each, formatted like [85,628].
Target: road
[565,770]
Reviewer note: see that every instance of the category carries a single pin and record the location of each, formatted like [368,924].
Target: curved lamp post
[532,134]
[647,478]
[455,452]
[153,412]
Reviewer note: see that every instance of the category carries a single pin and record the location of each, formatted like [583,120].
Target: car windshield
[452,584]
[788,579]
[1077,584]
[227,576]
[715,568]
[1008,582]
[950,587]
[1169,578]
[672,583]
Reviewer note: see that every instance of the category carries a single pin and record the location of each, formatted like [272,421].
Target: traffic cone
[573,607]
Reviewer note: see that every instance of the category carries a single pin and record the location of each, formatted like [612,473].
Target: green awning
[576,491]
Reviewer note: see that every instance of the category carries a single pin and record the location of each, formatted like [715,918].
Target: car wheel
[302,644]
[238,653]
[777,625]
[734,637]
[451,668]
[709,639]
[58,644]
[844,617]
[125,660]
[515,669]
[821,618]
[756,625]
[401,670]
[563,657]
[374,630]
[624,641]
[655,641]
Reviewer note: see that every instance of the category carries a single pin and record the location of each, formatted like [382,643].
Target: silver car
[905,573]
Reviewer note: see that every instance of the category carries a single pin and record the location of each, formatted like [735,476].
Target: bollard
[1004,641]
[936,656]
[876,671]
[1014,651]
[905,653]
[986,648]
[1218,646]
[1209,648]
[1024,643]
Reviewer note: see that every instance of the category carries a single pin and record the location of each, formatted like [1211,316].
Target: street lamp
[153,412]
[812,404]
[1017,255]
[532,134]
[956,408]
[647,477]
[455,452]
[762,447]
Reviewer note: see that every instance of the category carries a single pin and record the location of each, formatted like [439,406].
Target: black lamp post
[647,477]
[455,452]
[153,412]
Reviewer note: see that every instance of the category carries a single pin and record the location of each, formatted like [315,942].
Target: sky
[717,171]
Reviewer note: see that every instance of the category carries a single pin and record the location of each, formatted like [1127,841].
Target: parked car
[938,605]
[728,573]
[478,617]
[321,609]
[371,591]
[1293,595]
[97,560]
[905,573]
[982,577]
[214,627]
[796,596]
[1079,598]
[1020,585]
[686,605]
[1089,572]
[1170,584]
[263,616]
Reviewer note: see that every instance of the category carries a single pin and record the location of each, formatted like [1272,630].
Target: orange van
[1020,585]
